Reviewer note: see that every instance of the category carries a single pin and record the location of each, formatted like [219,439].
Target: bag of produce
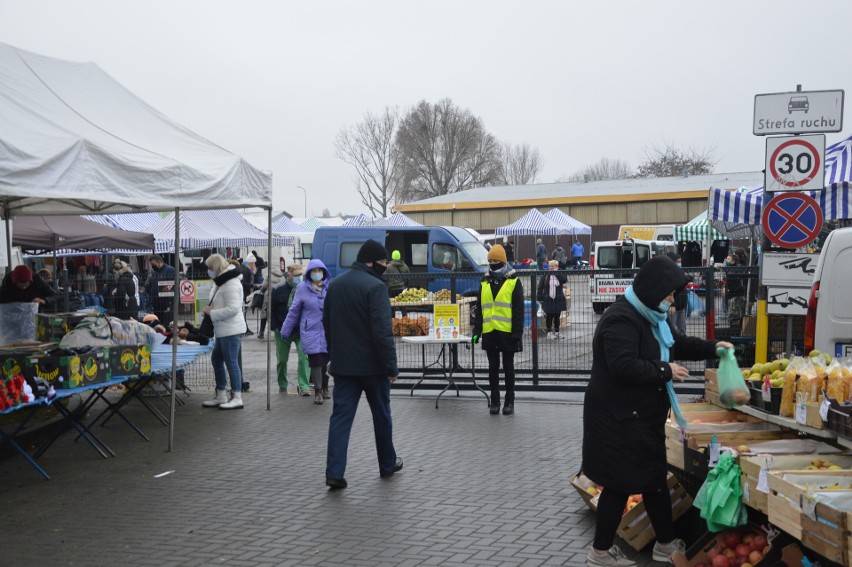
[732,386]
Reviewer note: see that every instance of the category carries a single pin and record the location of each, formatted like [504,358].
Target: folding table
[439,366]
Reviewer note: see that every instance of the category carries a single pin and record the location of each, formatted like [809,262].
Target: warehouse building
[603,205]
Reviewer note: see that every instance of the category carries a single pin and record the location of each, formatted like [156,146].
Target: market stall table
[439,366]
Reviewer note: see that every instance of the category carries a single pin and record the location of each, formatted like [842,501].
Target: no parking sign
[791,220]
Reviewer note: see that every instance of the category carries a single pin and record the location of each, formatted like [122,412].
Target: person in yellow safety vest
[499,321]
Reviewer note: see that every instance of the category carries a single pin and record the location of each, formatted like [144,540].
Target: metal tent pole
[268,301]
[175,305]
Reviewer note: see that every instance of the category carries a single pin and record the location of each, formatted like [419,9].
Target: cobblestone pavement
[246,487]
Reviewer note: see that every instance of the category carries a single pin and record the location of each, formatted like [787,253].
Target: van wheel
[599,307]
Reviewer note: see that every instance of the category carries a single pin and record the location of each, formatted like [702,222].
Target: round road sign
[187,291]
[791,220]
[795,163]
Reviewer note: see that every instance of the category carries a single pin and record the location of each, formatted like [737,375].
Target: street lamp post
[306,199]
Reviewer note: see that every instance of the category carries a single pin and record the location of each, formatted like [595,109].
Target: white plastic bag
[18,322]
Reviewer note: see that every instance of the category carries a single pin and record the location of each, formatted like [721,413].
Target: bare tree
[369,147]
[443,149]
[521,164]
[603,170]
[671,162]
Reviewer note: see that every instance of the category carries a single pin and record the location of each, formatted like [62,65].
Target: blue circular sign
[791,220]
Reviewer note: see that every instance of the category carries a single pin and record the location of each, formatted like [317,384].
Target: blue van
[431,249]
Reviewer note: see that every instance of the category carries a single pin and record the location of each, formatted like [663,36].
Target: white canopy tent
[75,141]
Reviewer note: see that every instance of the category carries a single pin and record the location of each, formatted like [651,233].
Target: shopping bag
[693,304]
[206,327]
[732,387]
[720,498]
[18,322]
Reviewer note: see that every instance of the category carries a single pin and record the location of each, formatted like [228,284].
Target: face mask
[212,274]
[378,269]
[316,276]
[496,267]
[679,265]
[297,280]
[664,305]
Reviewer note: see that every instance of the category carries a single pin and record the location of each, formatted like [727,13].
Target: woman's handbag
[206,327]
[256,300]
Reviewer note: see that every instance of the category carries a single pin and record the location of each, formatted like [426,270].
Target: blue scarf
[663,334]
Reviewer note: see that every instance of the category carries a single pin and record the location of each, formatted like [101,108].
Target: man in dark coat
[160,271]
[499,320]
[357,322]
[626,404]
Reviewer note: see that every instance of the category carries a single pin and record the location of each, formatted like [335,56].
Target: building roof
[544,194]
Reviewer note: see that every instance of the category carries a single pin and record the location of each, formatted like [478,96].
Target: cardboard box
[51,327]
[72,370]
[129,360]
[812,417]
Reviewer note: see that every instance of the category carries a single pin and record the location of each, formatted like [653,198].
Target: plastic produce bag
[732,387]
[18,322]
[720,498]
[694,304]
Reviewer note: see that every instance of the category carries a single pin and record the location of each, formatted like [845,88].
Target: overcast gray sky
[274,81]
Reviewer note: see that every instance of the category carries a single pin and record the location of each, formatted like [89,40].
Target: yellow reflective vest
[497,313]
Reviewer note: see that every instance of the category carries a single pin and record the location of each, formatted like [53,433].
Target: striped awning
[561,217]
[285,225]
[532,223]
[399,219]
[311,224]
[737,213]
[136,222]
[697,230]
[211,229]
[359,220]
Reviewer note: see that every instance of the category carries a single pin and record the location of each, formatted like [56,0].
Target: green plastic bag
[732,387]
[720,498]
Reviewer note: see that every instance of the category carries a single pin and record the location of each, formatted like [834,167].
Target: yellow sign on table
[446,321]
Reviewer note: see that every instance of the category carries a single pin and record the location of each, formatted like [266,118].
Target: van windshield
[477,252]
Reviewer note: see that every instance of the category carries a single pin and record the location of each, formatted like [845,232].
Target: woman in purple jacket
[306,315]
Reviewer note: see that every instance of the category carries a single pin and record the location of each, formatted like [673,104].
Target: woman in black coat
[126,305]
[626,405]
[552,298]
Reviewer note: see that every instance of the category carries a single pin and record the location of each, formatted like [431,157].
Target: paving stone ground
[247,488]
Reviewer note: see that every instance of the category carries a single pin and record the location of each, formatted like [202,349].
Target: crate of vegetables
[408,327]
[730,548]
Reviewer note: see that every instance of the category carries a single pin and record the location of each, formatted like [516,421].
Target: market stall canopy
[285,225]
[358,220]
[561,217]
[737,213]
[127,221]
[311,224]
[397,219]
[76,141]
[76,233]
[211,229]
[532,223]
[697,229]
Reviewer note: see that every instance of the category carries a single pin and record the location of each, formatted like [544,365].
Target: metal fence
[717,303]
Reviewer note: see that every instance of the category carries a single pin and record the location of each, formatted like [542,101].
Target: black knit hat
[371,251]
[658,277]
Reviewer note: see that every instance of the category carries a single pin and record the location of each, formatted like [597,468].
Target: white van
[646,231]
[615,255]
[828,324]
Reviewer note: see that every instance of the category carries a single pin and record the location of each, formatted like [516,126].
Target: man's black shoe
[494,409]
[508,409]
[396,468]
[335,483]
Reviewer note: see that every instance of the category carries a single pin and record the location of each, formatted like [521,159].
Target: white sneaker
[556,335]
[613,557]
[663,553]
[549,335]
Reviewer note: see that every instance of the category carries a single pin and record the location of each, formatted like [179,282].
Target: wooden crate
[752,464]
[711,386]
[828,534]
[635,527]
[784,501]
[581,483]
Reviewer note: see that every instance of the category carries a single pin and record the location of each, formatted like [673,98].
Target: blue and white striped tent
[285,225]
[312,224]
[211,229]
[136,222]
[560,217]
[533,223]
[737,213]
[398,219]
[359,220]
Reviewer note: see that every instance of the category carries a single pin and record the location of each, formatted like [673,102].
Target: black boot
[262,328]
[494,408]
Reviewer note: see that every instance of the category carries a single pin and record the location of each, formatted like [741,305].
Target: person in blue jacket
[306,315]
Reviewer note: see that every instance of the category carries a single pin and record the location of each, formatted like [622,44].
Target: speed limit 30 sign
[795,163]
